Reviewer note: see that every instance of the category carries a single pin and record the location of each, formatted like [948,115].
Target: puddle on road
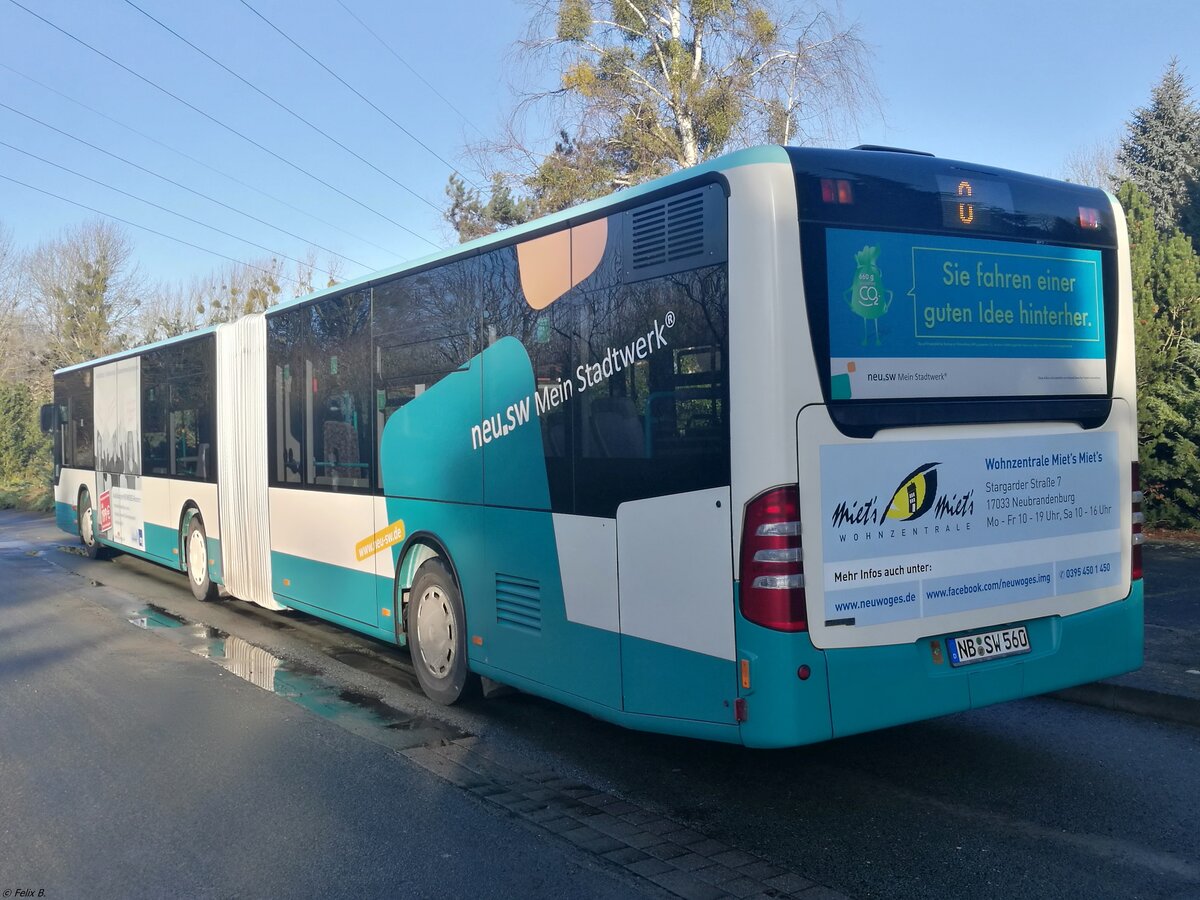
[362,714]
[155,617]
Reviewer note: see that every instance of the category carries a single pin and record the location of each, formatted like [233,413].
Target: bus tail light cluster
[772,569]
[1138,518]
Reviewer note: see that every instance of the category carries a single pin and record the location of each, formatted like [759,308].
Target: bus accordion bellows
[792,445]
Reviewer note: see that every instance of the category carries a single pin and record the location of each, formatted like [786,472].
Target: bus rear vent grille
[519,603]
[682,232]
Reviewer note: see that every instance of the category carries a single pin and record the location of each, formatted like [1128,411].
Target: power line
[163,208]
[228,128]
[386,46]
[285,108]
[162,234]
[356,92]
[199,162]
[182,186]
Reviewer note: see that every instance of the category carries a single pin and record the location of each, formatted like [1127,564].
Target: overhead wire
[388,47]
[355,91]
[181,186]
[162,234]
[284,107]
[199,162]
[165,209]
[223,125]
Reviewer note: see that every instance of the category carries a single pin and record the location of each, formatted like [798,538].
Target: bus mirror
[48,418]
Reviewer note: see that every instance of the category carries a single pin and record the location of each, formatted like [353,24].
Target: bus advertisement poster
[938,316]
[125,523]
[915,529]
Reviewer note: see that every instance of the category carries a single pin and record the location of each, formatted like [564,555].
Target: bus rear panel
[962,527]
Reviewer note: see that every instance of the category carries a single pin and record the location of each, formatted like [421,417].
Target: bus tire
[195,556]
[87,526]
[437,635]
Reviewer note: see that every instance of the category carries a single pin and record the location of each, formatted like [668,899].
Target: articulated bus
[788,446]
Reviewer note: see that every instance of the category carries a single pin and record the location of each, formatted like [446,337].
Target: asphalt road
[213,784]
[131,768]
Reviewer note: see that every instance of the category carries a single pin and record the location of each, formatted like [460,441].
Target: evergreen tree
[1161,152]
[24,450]
[1166,293]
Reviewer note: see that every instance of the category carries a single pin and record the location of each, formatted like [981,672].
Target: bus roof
[749,156]
[134,351]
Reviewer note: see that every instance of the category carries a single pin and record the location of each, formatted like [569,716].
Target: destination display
[914,529]
[920,316]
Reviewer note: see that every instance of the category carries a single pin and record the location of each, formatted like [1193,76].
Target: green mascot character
[866,295]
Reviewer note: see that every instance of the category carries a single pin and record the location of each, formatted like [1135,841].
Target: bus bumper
[877,687]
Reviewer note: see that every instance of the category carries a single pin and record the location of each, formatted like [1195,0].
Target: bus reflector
[1138,518]
[745,666]
[772,570]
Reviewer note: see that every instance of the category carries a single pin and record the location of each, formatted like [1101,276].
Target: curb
[1139,701]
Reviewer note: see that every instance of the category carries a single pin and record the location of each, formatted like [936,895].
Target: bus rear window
[942,292]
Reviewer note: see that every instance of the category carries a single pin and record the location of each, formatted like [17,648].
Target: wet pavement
[624,849]
[360,713]
[134,764]
[1034,797]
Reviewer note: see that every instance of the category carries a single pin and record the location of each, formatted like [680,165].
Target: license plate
[975,648]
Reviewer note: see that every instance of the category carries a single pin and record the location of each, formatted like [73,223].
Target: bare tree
[1096,165]
[230,293]
[84,292]
[14,346]
[167,310]
[306,281]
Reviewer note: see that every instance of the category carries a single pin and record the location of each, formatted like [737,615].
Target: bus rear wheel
[195,555]
[437,635]
[87,527]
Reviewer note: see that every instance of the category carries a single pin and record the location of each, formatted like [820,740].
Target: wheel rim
[197,557]
[436,630]
[86,526]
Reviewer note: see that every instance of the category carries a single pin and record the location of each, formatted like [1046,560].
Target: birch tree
[645,87]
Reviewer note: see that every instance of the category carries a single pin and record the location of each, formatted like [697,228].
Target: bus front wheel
[437,635]
[196,556]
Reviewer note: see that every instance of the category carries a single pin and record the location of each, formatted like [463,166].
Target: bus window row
[635,421]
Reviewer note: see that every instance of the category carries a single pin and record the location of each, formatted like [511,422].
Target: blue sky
[1019,85]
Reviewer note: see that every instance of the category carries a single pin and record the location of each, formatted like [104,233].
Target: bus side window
[657,423]
[425,327]
[75,435]
[286,393]
[178,399]
[339,359]
[549,333]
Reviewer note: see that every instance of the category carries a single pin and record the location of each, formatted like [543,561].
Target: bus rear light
[837,190]
[772,568]
[790,554]
[1138,519]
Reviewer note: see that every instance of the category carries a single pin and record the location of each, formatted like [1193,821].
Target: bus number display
[971,203]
